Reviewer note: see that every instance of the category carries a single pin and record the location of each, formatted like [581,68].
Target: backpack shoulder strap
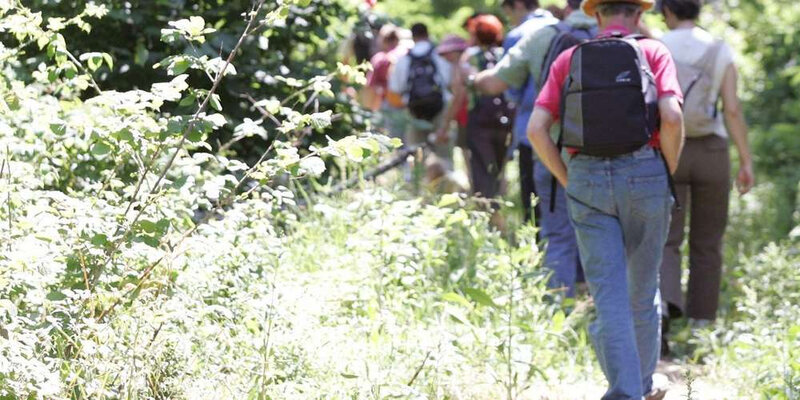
[633,40]
[709,57]
[561,29]
[707,63]
[427,54]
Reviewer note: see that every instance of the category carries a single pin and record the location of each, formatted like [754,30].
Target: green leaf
[141,55]
[456,298]
[188,100]
[558,321]
[100,149]
[321,120]
[272,106]
[125,135]
[109,61]
[196,131]
[214,101]
[449,199]
[480,297]
[59,129]
[148,226]
[794,332]
[99,239]
[93,60]
[56,296]
[313,165]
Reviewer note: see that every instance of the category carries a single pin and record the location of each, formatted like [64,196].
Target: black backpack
[425,95]
[493,112]
[566,37]
[609,105]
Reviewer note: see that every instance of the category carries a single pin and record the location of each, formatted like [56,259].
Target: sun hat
[452,43]
[589,6]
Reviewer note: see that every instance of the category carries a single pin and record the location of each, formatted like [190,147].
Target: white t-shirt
[688,45]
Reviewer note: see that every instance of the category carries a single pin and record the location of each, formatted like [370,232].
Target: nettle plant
[102,189]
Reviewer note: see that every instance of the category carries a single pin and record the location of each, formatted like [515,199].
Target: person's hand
[442,136]
[745,180]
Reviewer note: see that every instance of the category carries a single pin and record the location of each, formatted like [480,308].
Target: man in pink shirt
[618,196]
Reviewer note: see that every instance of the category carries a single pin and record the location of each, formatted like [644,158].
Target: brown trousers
[703,185]
[487,158]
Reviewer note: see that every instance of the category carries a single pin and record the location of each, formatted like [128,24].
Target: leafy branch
[177,148]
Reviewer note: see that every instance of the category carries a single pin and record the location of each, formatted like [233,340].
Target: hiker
[451,49]
[617,178]
[378,80]
[489,117]
[707,73]
[419,83]
[525,66]
[527,18]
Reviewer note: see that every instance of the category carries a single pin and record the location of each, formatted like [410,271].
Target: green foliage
[759,344]
[105,192]
[762,33]
[143,258]
[297,44]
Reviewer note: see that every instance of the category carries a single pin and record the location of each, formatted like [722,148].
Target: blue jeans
[562,250]
[620,209]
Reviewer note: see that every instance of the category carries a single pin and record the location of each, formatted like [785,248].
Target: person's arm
[398,75]
[539,135]
[457,86]
[487,82]
[671,131]
[737,128]
[512,70]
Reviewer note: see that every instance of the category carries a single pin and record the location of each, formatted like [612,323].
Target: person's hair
[488,30]
[389,33]
[529,4]
[419,31]
[557,11]
[392,37]
[618,8]
[574,4]
[683,9]
[469,19]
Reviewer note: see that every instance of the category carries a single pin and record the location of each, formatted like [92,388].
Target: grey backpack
[699,103]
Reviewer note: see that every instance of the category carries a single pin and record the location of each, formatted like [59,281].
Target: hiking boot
[656,394]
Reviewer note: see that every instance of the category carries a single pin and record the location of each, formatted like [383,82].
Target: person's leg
[394,121]
[600,240]
[644,203]
[561,255]
[710,193]
[443,151]
[480,161]
[526,184]
[671,287]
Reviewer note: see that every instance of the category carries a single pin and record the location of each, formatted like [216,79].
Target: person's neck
[524,16]
[687,24]
[629,25]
